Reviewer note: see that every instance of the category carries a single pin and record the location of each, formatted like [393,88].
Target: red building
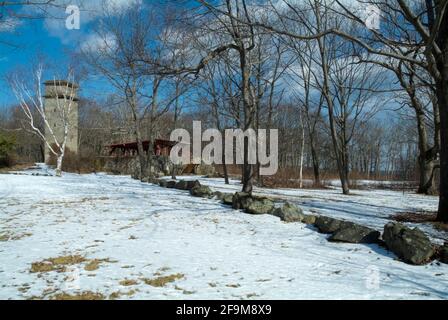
[161,147]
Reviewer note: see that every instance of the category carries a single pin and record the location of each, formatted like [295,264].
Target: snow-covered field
[154,243]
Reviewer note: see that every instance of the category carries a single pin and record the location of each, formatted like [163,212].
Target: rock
[145,179]
[135,176]
[241,200]
[153,180]
[410,245]
[222,196]
[354,233]
[227,199]
[187,184]
[444,253]
[181,185]
[201,191]
[171,184]
[163,183]
[309,219]
[218,195]
[289,213]
[260,206]
[327,224]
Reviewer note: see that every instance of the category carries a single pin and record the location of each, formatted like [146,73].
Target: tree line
[345,96]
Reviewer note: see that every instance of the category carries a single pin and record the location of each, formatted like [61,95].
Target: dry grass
[17,167]
[95,264]
[163,281]
[87,295]
[119,294]
[59,264]
[67,260]
[56,264]
[128,282]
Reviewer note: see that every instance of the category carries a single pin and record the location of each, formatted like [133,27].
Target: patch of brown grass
[164,280]
[17,167]
[441,226]
[67,260]
[60,263]
[87,295]
[56,264]
[128,282]
[4,237]
[119,294]
[95,264]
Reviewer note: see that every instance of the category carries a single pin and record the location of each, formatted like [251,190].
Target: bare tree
[32,104]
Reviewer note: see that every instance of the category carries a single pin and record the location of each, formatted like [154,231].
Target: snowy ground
[142,233]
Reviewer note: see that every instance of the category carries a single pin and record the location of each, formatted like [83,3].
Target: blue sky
[33,39]
[28,42]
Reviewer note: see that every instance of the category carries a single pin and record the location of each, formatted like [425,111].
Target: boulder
[289,213]
[410,245]
[309,219]
[201,191]
[241,200]
[354,233]
[328,225]
[163,183]
[171,184]
[260,206]
[218,195]
[187,184]
[227,199]
[444,253]
[153,180]
[135,176]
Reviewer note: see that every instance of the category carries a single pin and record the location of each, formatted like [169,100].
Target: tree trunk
[344,171]
[59,165]
[442,95]
[224,164]
[442,102]
[302,148]
[248,169]
[315,161]
[327,95]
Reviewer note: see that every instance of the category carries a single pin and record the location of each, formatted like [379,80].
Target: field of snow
[131,240]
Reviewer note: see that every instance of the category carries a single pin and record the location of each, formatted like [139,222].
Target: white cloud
[90,11]
[99,43]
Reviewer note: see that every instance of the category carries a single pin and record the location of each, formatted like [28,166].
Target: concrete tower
[60,92]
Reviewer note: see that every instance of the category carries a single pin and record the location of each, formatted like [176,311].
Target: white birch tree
[33,106]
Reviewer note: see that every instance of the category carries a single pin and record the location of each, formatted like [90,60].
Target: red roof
[133,145]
